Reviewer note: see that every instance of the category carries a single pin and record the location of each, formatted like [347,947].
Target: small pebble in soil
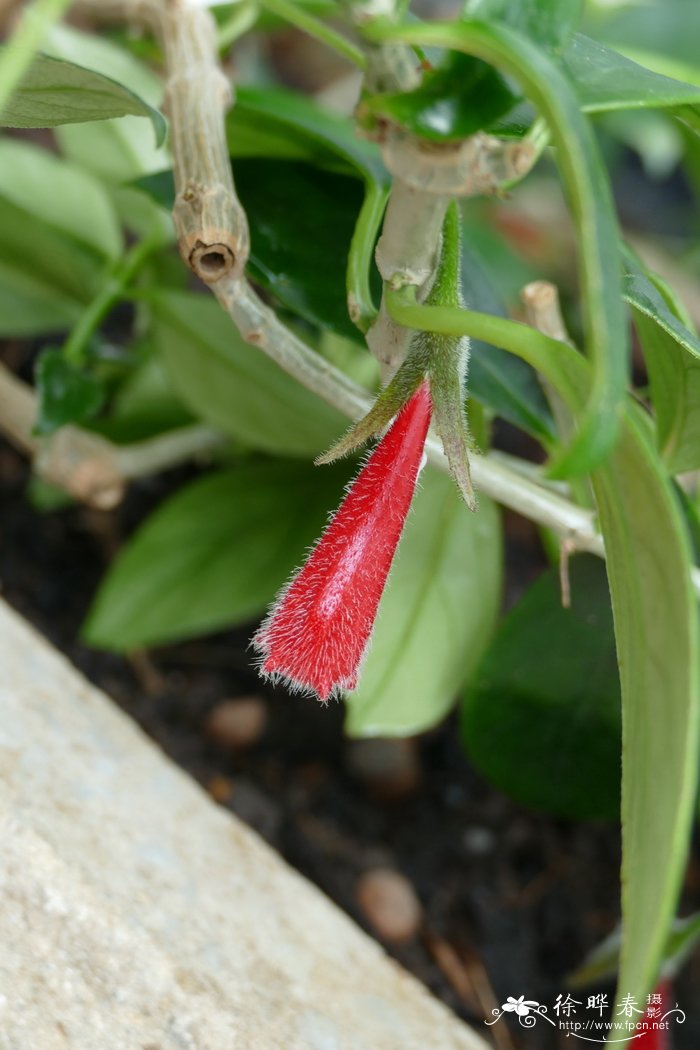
[389,768]
[478,841]
[234,725]
[389,904]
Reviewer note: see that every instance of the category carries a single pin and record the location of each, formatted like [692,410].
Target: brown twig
[469,979]
[210,224]
[92,469]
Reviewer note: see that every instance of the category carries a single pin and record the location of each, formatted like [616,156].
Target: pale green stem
[243,19]
[541,351]
[110,293]
[361,306]
[312,25]
[16,58]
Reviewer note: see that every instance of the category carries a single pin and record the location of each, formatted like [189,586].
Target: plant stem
[243,18]
[316,28]
[361,306]
[112,290]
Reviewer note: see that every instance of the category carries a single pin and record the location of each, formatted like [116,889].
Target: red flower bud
[316,635]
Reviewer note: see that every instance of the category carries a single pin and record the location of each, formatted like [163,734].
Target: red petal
[316,635]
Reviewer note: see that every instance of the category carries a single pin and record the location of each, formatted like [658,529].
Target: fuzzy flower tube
[316,635]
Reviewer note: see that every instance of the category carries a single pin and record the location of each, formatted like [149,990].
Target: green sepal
[448,369]
[448,362]
[390,401]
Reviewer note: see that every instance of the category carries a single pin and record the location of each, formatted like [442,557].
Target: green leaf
[54,92]
[605,80]
[233,385]
[435,616]
[591,201]
[145,403]
[45,275]
[671,28]
[116,150]
[270,122]
[301,220]
[672,355]
[548,22]
[541,718]
[59,194]
[462,96]
[657,633]
[645,296]
[54,246]
[603,962]
[278,124]
[66,393]
[213,555]
[496,378]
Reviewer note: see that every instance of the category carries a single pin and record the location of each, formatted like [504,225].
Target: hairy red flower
[317,633]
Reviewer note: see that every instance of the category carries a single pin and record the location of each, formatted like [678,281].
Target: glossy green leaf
[497,379]
[541,718]
[672,355]
[67,394]
[270,122]
[233,385]
[213,556]
[462,96]
[605,80]
[436,614]
[54,92]
[549,22]
[301,220]
[589,193]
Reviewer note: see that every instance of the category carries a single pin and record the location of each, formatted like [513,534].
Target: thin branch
[89,467]
[210,224]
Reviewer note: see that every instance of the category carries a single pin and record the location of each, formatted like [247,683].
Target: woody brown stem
[210,224]
[89,467]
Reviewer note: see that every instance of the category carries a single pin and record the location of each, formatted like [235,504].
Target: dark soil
[518,897]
